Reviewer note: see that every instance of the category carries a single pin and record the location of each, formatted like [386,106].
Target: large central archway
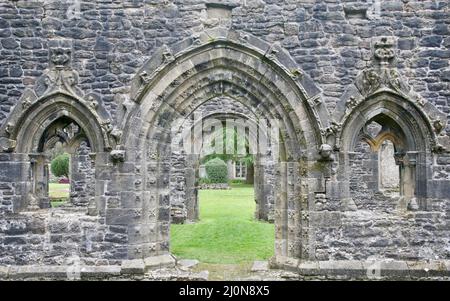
[176,81]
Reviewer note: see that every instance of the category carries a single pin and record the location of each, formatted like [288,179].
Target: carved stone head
[60,56]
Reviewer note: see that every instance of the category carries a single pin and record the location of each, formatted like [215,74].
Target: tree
[60,165]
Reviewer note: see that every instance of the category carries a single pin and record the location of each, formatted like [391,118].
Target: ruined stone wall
[82,184]
[330,40]
[55,237]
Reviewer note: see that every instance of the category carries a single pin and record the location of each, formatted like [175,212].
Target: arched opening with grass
[232,212]
[59,136]
[189,76]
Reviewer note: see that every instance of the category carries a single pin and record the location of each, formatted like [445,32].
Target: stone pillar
[38,197]
[16,182]
[82,177]
[192,202]
[231,169]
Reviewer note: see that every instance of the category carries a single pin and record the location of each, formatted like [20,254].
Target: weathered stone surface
[187,263]
[134,266]
[260,266]
[159,261]
[341,74]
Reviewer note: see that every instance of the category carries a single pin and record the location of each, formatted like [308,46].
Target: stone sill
[71,272]
[366,269]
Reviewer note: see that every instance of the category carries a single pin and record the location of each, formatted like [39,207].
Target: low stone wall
[59,236]
[383,269]
[219,186]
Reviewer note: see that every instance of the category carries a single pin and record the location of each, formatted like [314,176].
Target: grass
[227,231]
[58,193]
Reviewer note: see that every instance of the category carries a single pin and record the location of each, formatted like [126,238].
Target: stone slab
[187,263]
[160,261]
[427,269]
[309,268]
[259,266]
[133,266]
[100,271]
[4,272]
[34,271]
[351,268]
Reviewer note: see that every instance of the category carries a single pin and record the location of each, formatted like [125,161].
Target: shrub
[204,181]
[60,166]
[217,171]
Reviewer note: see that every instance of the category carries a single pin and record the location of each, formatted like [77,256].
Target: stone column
[82,178]
[38,197]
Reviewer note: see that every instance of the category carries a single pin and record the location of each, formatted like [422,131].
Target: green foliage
[227,232]
[230,137]
[60,165]
[204,181]
[217,171]
[237,181]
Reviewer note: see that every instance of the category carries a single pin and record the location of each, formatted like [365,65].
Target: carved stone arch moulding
[361,95]
[384,79]
[180,77]
[274,67]
[56,95]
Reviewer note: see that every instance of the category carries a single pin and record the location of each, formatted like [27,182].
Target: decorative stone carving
[196,39]
[59,77]
[7,145]
[167,56]
[373,80]
[117,155]
[296,74]
[384,50]
[60,57]
[93,103]
[326,152]
[351,103]
[9,128]
[116,134]
[438,126]
[271,52]
[145,78]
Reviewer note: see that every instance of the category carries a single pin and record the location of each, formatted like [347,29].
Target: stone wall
[313,64]
[82,177]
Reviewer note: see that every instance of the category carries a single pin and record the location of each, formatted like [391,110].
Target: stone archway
[229,115]
[29,136]
[179,79]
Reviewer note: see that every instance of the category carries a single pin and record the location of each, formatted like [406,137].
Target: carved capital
[117,155]
[7,145]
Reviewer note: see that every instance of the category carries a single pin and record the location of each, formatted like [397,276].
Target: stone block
[187,263]
[38,271]
[428,269]
[350,268]
[160,261]
[383,268]
[4,272]
[133,266]
[309,268]
[259,266]
[100,271]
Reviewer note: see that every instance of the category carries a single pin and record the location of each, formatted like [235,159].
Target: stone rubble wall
[54,237]
[331,41]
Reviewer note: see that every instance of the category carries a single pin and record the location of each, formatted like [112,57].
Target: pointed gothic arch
[218,62]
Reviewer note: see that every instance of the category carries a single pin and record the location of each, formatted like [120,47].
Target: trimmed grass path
[227,232]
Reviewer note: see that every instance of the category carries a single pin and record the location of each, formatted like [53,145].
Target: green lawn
[227,231]
[58,193]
